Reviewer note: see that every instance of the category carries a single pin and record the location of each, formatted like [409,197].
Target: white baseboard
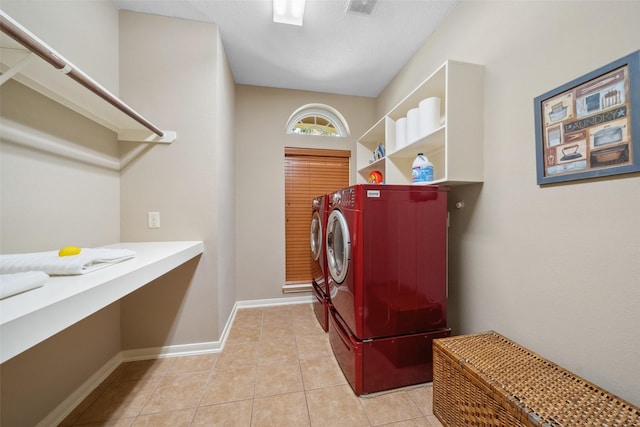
[171,351]
[298,287]
[273,302]
[56,416]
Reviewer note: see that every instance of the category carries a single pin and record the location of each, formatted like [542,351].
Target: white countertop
[31,317]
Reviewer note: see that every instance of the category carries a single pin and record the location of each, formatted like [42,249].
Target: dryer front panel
[341,266]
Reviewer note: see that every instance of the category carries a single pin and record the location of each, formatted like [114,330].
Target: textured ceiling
[333,52]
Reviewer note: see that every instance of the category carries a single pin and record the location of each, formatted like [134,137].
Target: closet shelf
[30,61]
[33,316]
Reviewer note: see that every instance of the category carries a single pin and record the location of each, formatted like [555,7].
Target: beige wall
[225,184]
[261,116]
[51,181]
[49,201]
[556,267]
[35,382]
[84,32]
[176,72]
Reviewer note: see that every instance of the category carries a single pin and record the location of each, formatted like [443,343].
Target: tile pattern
[276,369]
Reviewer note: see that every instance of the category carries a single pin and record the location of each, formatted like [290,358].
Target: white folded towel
[12,284]
[88,260]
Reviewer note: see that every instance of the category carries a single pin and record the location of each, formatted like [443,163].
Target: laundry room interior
[545,263]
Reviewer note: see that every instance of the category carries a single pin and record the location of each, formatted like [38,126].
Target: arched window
[317,119]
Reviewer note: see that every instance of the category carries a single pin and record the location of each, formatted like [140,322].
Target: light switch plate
[154,219]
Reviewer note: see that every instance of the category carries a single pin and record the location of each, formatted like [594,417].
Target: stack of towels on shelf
[22,272]
[17,283]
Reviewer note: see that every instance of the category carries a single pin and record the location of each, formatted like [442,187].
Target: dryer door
[338,246]
[316,235]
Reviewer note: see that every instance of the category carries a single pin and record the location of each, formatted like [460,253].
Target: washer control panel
[345,198]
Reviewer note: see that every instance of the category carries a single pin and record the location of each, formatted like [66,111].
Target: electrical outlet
[154,219]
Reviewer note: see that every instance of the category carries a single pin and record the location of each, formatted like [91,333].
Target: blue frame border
[633,62]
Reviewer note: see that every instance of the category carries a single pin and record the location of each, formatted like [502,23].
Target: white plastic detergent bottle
[422,170]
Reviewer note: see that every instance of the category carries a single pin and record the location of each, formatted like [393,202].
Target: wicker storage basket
[489,380]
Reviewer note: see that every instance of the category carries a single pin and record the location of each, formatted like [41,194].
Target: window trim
[321,110]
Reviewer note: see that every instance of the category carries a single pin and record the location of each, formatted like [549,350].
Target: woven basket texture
[488,380]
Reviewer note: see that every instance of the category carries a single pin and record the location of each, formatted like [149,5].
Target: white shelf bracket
[7,75]
[145,136]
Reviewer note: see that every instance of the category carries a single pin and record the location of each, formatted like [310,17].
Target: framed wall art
[590,127]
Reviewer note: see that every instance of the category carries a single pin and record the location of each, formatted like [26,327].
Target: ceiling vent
[361,7]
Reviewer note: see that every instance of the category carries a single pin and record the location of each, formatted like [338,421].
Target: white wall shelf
[60,80]
[31,317]
[455,148]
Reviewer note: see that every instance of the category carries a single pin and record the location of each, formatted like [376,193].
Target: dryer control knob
[336,198]
[315,203]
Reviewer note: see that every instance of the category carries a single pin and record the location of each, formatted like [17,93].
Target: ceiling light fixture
[363,7]
[288,11]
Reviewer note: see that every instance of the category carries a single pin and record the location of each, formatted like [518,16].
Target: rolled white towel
[13,284]
[88,260]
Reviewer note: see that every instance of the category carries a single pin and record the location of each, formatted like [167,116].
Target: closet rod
[22,36]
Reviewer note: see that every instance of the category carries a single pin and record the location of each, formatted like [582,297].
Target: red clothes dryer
[319,214]
[386,259]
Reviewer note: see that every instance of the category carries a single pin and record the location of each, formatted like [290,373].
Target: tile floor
[276,369]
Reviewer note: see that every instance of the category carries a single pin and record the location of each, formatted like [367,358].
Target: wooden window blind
[308,173]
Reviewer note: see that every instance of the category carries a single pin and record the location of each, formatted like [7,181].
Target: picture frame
[590,126]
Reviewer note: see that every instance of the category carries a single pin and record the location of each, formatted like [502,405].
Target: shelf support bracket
[144,136]
[17,67]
